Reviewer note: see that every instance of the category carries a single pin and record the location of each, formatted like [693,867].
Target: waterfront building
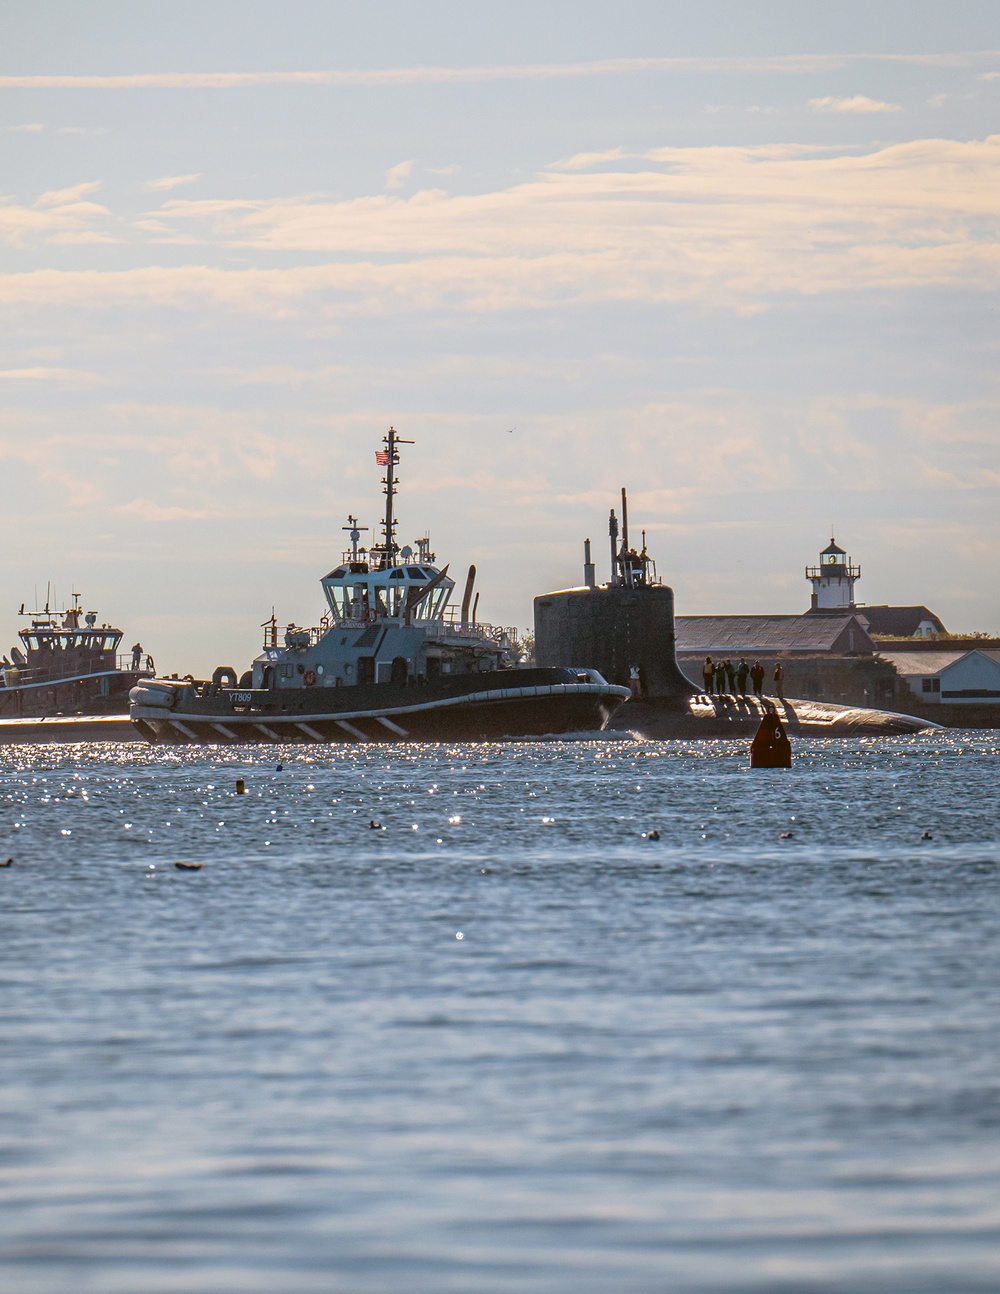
[957,675]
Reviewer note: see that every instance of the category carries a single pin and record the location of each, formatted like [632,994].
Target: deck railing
[15,676]
[449,625]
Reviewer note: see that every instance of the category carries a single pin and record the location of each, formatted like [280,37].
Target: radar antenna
[354,531]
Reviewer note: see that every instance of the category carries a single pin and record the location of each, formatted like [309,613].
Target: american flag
[382,457]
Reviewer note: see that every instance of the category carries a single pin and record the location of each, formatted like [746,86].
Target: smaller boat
[391,660]
[68,664]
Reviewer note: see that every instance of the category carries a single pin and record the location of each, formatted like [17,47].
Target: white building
[952,677]
[833,580]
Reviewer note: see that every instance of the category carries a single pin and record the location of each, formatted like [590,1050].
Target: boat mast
[389,459]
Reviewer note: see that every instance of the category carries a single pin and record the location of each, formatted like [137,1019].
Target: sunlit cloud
[72,376]
[584,161]
[859,103]
[731,227]
[148,510]
[396,176]
[172,181]
[20,225]
[29,128]
[791,64]
[60,197]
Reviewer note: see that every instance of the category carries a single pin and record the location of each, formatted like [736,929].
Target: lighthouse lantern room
[833,580]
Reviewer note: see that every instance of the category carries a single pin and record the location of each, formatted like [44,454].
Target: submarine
[624,630]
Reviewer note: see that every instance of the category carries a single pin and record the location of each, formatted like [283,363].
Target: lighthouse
[833,580]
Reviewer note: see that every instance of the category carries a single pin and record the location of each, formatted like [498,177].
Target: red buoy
[771,748]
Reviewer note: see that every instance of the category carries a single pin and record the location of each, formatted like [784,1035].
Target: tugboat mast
[389,459]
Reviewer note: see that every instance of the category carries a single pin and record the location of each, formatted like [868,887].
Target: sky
[740,258]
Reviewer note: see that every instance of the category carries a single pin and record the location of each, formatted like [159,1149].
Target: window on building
[932,685]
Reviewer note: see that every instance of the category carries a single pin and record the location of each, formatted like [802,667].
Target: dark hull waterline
[492,714]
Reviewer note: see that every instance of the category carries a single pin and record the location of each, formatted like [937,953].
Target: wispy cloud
[858,103]
[73,376]
[172,181]
[792,64]
[58,216]
[584,161]
[29,128]
[396,176]
[59,197]
[728,227]
[148,510]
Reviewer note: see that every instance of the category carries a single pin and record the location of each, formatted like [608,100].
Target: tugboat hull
[486,711]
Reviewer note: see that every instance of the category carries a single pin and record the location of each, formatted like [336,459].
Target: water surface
[502,1041]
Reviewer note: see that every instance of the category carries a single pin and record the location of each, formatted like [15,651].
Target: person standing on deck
[779,681]
[757,678]
[720,678]
[731,676]
[742,670]
[708,673]
[136,655]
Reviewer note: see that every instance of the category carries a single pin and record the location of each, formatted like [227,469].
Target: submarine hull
[711,717]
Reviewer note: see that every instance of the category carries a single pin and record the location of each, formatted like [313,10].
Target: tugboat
[389,661]
[66,668]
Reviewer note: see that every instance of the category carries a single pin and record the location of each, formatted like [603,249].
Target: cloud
[396,176]
[59,216]
[859,103]
[59,197]
[69,222]
[147,510]
[82,238]
[727,227]
[584,161]
[790,64]
[74,376]
[29,128]
[172,181]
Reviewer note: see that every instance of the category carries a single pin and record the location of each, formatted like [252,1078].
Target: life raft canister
[309,678]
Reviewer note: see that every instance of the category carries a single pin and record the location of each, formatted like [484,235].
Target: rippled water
[505,1042]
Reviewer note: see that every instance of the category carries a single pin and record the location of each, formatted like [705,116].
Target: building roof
[833,548]
[760,635]
[899,622]
[910,663]
[921,662]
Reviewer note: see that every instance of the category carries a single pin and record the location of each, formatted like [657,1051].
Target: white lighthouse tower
[833,580]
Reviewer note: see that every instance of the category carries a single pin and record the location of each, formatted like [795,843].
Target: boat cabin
[57,644]
[354,593]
